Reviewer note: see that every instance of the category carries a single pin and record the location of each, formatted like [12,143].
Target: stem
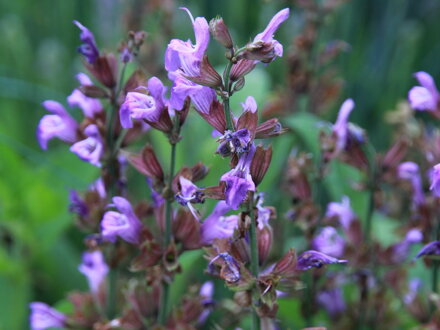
[113,171]
[164,299]
[227,88]
[227,84]
[254,254]
[111,299]
[167,238]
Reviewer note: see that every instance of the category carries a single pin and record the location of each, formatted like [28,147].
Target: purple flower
[206,292]
[60,125]
[94,268]
[99,187]
[90,106]
[341,210]
[435,180]
[123,223]
[401,249]
[189,193]
[332,301]
[183,55]
[264,213]
[314,259]
[90,149]
[410,171]
[201,96]
[340,128]
[77,204]
[425,97]
[231,142]
[249,105]
[429,249]
[231,267]
[44,317]
[183,59]
[157,198]
[328,241]
[142,106]
[239,181]
[267,35]
[217,225]
[88,49]
[414,287]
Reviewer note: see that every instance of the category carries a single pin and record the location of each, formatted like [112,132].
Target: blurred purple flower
[99,187]
[332,301]
[410,171]
[60,125]
[206,292]
[88,49]
[249,104]
[432,248]
[425,97]
[77,204]
[157,198]
[267,35]
[328,241]
[189,193]
[401,249]
[435,180]
[142,106]
[124,223]
[341,127]
[90,106]
[94,268]
[414,287]
[217,225]
[314,259]
[90,149]
[264,213]
[44,317]
[238,180]
[341,210]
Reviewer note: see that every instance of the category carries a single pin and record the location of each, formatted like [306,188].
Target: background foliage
[39,245]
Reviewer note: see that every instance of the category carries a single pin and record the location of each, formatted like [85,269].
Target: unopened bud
[260,51]
[208,76]
[239,84]
[264,243]
[220,32]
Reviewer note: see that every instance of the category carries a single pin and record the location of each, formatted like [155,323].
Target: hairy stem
[227,90]
[254,254]
[113,185]
[164,299]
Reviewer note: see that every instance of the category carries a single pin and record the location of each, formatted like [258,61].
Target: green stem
[254,254]
[227,90]
[164,299]
[111,298]
[113,169]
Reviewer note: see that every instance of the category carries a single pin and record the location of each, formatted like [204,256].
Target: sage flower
[90,149]
[314,259]
[425,97]
[123,223]
[94,268]
[217,225]
[328,241]
[60,125]
[88,49]
[90,106]
[44,317]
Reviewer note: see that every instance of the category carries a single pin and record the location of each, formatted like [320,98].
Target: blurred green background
[40,247]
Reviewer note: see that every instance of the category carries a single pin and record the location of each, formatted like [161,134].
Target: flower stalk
[254,253]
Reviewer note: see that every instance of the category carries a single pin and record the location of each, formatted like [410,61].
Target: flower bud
[220,32]
[208,76]
[239,84]
[260,164]
[265,239]
[260,51]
